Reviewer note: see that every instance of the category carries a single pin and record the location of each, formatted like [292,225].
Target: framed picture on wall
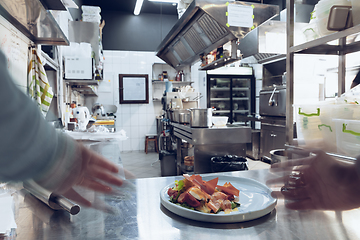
[134,88]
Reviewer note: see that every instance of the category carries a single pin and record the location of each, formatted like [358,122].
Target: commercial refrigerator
[231,93]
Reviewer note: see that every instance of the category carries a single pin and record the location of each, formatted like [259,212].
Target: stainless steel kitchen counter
[211,142]
[139,215]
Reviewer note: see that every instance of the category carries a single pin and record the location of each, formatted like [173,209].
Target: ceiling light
[165,1]
[138,6]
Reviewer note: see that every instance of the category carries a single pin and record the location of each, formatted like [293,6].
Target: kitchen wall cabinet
[342,43]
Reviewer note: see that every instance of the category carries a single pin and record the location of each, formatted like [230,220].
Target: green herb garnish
[234,205]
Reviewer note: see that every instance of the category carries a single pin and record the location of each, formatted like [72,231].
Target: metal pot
[177,113]
[184,117]
[170,114]
[200,117]
[278,155]
[173,116]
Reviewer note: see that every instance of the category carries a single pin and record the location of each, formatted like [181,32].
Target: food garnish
[194,193]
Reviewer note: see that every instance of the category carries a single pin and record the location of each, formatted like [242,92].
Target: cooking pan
[200,117]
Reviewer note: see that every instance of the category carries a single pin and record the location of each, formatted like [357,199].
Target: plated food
[196,194]
[255,198]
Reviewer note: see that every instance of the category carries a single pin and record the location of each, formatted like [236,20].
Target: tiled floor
[144,165]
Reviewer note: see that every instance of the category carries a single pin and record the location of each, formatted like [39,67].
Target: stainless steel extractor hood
[34,20]
[204,27]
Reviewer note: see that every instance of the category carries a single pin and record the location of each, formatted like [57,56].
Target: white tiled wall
[136,119]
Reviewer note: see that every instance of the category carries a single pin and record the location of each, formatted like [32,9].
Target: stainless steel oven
[273,101]
[273,120]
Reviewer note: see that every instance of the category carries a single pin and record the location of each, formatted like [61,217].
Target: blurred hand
[317,182]
[91,171]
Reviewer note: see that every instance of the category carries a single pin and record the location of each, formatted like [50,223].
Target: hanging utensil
[198,97]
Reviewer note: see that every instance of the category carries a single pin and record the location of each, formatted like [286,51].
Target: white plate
[255,199]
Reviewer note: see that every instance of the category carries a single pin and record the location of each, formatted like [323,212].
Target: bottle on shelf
[182,76]
[165,76]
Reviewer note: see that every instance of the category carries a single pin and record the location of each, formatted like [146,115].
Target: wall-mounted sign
[134,88]
[240,15]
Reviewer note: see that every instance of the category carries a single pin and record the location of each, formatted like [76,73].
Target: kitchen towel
[39,87]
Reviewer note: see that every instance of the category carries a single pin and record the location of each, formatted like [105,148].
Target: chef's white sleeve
[29,146]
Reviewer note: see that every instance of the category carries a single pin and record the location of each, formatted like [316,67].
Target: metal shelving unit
[220,62]
[339,43]
[173,82]
[161,84]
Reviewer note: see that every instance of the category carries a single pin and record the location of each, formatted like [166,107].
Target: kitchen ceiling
[129,5]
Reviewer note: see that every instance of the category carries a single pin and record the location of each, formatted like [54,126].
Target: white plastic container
[90,9]
[91,18]
[321,24]
[219,121]
[307,122]
[311,31]
[322,11]
[323,7]
[348,137]
[315,123]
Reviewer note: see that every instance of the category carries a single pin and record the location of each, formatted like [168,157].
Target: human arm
[30,148]
[318,182]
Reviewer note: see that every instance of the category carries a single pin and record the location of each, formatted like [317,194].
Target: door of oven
[273,136]
[273,102]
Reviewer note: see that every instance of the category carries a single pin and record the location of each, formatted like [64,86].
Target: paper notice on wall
[240,15]
[134,89]
[15,47]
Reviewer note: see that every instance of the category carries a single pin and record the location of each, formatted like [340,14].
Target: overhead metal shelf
[220,63]
[85,90]
[330,44]
[174,82]
[81,82]
[34,19]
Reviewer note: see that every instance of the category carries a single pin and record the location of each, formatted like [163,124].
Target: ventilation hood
[204,27]
[34,20]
